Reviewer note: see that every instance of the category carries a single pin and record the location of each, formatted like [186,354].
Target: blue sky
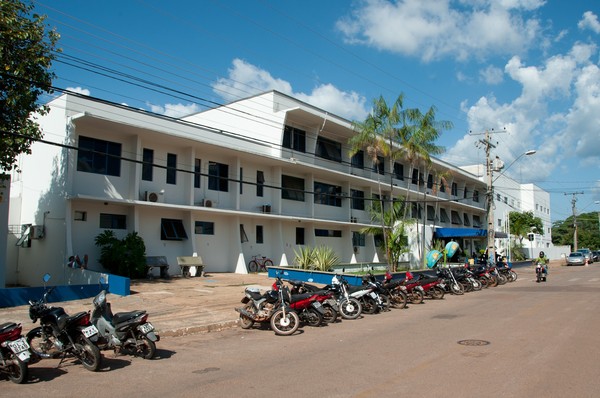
[527,69]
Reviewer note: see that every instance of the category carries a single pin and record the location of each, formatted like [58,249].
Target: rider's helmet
[541,254]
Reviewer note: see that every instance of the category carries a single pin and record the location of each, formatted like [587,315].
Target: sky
[527,71]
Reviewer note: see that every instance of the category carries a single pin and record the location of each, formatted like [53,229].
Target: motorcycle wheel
[501,279]
[350,308]
[386,302]
[88,354]
[467,286]
[245,322]
[484,282]
[40,346]
[416,297]
[369,304]
[437,292]
[330,315]
[284,325]
[493,281]
[477,285]
[146,347]
[399,299]
[457,288]
[17,371]
[313,317]
[513,276]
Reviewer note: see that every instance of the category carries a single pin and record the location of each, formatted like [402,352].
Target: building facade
[264,175]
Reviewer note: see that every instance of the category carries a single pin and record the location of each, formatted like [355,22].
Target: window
[147,165]
[358,160]
[294,138]
[379,166]
[197,175]
[476,221]
[475,196]
[80,215]
[358,199]
[329,149]
[399,171]
[454,189]
[243,236]
[171,229]
[430,213]
[429,181]
[99,156]
[330,233]
[113,221]
[416,211]
[299,236]
[498,197]
[455,217]
[415,176]
[218,177]
[466,221]
[260,182]
[466,193]
[443,215]
[171,168]
[292,188]
[204,228]
[499,223]
[358,239]
[259,234]
[442,186]
[326,194]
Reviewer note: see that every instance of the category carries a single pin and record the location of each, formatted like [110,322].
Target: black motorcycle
[123,332]
[62,335]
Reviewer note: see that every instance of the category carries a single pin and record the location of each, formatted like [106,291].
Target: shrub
[124,257]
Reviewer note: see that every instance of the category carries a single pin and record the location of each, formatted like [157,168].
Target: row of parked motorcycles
[81,336]
[289,305]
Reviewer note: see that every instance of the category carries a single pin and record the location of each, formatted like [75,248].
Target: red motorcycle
[414,290]
[325,296]
[432,286]
[14,352]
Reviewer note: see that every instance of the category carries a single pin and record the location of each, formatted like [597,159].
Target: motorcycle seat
[5,327]
[121,317]
[298,297]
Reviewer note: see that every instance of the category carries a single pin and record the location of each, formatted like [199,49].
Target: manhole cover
[473,342]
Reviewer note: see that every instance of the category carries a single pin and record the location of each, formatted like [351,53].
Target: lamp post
[491,232]
[598,203]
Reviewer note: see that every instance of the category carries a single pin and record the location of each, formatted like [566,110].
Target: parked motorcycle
[350,307]
[128,332]
[60,334]
[273,307]
[451,284]
[14,352]
[324,296]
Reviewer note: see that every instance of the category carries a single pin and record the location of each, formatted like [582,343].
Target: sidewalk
[177,306]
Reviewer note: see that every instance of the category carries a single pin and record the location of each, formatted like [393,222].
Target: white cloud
[79,90]
[175,110]
[491,75]
[245,80]
[589,21]
[567,134]
[436,29]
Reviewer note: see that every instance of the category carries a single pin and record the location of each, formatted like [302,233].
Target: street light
[598,203]
[491,232]
[528,153]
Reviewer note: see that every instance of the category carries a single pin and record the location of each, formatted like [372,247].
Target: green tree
[27,49]
[522,223]
[588,231]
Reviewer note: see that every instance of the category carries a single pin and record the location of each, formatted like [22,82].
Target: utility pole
[573,201]
[491,231]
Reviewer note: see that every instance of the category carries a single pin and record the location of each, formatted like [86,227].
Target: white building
[263,175]
[510,195]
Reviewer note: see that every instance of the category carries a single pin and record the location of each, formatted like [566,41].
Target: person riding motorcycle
[543,260]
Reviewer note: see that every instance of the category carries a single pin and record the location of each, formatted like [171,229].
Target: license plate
[18,346]
[331,302]
[317,304]
[90,331]
[442,285]
[146,327]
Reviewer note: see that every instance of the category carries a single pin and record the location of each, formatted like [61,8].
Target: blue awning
[459,233]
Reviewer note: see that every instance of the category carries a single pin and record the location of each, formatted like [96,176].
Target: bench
[159,262]
[191,266]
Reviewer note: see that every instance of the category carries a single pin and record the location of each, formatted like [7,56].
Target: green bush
[124,257]
[320,258]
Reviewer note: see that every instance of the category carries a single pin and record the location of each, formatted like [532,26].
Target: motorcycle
[350,307]
[309,309]
[541,272]
[14,352]
[124,331]
[450,282]
[273,307]
[324,296]
[60,334]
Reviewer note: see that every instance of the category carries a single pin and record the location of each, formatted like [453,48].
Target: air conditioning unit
[36,232]
[208,203]
[152,196]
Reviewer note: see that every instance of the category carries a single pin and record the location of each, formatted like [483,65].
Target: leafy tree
[124,257]
[522,223]
[27,50]
[588,231]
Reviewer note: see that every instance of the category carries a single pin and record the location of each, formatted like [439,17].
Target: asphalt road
[522,339]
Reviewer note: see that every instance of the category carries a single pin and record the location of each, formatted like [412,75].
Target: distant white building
[510,195]
[264,175]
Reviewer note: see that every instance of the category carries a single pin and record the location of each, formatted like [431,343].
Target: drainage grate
[473,342]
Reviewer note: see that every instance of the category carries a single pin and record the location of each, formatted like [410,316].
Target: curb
[213,327]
